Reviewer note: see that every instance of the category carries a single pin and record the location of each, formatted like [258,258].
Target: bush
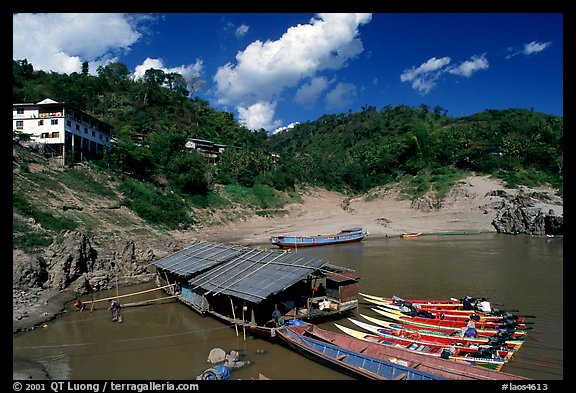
[162,208]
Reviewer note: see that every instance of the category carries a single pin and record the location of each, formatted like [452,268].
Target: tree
[154,77]
[85,68]
[114,72]
[187,173]
[176,82]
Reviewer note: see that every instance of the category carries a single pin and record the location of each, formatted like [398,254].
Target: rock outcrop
[68,268]
[519,214]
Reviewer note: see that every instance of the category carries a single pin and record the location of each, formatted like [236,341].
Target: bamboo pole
[143,302]
[128,294]
[243,323]
[234,315]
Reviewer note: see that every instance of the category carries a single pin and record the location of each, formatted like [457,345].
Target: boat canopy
[246,273]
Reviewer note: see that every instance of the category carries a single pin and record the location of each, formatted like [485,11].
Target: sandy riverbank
[468,207]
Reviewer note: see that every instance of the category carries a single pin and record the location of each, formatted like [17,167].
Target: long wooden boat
[406,330]
[410,235]
[439,303]
[444,368]
[344,236]
[454,306]
[351,362]
[489,332]
[449,315]
[463,354]
[457,323]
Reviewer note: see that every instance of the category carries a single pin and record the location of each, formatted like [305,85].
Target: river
[169,341]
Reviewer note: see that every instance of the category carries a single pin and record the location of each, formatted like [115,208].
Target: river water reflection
[170,341]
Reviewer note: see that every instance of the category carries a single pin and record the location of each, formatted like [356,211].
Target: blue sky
[275,69]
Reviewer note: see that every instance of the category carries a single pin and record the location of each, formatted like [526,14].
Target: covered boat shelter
[233,282]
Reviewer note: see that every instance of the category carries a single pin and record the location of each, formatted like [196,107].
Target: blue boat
[352,363]
[344,236]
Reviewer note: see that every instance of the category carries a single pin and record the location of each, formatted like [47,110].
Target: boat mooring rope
[120,340]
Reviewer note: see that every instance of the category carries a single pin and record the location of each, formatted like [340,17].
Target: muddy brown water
[169,341]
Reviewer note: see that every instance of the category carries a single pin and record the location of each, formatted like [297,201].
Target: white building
[65,131]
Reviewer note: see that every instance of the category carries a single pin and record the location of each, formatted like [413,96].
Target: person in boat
[80,305]
[483,305]
[417,311]
[470,328]
[321,290]
[467,303]
[115,309]
[471,332]
[176,288]
[277,316]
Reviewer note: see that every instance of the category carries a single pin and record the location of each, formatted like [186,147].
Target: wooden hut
[243,286]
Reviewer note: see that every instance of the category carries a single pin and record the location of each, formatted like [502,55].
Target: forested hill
[373,147]
[348,152]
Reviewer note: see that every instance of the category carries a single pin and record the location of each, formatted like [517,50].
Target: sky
[274,70]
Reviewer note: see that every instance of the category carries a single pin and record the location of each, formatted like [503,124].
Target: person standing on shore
[115,309]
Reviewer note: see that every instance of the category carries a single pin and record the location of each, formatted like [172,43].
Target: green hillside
[149,171]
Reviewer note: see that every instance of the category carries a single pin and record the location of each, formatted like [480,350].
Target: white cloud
[467,68]
[259,115]
[241,31]
[340,96]
[62,42]
[425,76]
[535,47]
[265,69]
[285,128]
[528,49]
[308,93]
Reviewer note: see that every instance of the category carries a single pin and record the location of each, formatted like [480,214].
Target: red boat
[459,323]
[450,303]
[481,308]
[490,332]
[448,315]
[453,370]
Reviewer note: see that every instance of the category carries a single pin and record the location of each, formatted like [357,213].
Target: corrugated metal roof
[249,274]
[197,258]
[258,274]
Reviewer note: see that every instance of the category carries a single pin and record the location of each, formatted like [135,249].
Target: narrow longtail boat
[488,332]
[487,312]
[405,330]
[455,342]
[351,362]
[444,368]
[460,323]
[448,315]
[295,241]
[438,302]
[410,235]
[467,355]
